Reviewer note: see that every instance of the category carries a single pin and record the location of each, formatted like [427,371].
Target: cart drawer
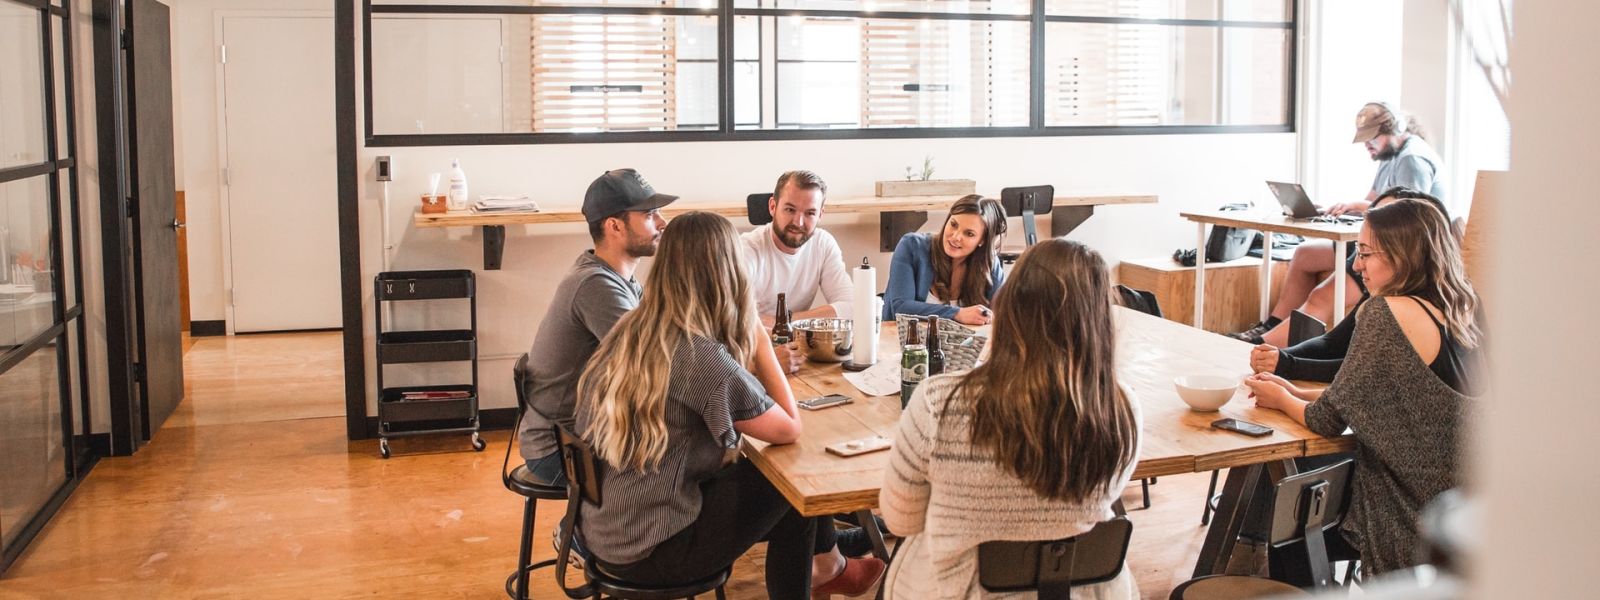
[424,285]
[394,408]
[426,346]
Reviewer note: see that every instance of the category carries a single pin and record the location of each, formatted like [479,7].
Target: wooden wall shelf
[899,216]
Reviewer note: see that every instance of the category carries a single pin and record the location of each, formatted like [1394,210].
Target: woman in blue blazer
[954,272]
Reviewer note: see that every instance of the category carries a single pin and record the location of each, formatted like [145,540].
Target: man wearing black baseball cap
[624,217]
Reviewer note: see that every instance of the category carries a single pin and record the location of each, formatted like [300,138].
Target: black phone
[1244,427]
[821,402]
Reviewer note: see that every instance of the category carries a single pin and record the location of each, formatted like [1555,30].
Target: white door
[280,185]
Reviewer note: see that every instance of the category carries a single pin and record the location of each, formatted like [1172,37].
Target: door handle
[176,224]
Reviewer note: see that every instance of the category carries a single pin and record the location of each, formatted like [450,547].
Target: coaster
[851,365]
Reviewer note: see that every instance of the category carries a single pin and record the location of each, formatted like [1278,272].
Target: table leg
[1338,282]
[874,535]
[1266,275]
[1238,500]
[1200,277]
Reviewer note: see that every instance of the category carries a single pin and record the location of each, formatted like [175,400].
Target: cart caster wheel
[383,448]
[477,443]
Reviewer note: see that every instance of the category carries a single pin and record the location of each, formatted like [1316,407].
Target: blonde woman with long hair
[1411,374]
[1035,444]
[664,402]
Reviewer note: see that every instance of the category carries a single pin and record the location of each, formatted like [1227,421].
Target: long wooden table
[1150,352]
[1339,233]
[898,215]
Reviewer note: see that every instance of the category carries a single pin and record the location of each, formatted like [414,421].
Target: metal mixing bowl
[824,340]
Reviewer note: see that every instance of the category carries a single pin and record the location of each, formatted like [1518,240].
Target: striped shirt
[707,392]
[946,497]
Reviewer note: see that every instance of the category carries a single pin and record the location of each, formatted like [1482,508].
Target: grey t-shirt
[589,300]
[707,391]
[1417,166]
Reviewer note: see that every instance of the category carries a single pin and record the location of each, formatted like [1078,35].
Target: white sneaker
[576,557]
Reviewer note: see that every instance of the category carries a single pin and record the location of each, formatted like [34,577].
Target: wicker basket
[961,345]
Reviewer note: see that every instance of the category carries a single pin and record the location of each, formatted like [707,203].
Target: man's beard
[794,239]
[1390,151]
[642,248]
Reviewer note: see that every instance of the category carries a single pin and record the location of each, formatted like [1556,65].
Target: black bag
[1229,243]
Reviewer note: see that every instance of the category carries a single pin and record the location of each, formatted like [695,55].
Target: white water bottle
[458,186]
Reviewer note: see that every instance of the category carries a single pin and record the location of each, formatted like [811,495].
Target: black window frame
[726,130]
[59,167]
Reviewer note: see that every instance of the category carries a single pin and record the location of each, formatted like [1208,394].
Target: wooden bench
[1233,289]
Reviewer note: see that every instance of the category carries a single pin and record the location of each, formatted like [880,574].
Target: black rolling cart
[427,409]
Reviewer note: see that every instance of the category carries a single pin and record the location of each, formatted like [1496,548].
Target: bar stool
[1233,587]
[583,477]
[521,481]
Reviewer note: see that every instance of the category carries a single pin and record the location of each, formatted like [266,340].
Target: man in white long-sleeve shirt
[792,256]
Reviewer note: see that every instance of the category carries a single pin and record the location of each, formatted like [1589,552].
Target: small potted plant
[923,184]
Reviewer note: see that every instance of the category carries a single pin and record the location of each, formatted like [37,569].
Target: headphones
[1395,117]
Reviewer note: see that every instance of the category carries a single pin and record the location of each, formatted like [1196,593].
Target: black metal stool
[583,475]
[521,481]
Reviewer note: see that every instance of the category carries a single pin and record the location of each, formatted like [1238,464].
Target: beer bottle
[935,347]
[913,364]
[781,333]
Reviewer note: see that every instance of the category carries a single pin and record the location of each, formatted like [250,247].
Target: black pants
[739,508]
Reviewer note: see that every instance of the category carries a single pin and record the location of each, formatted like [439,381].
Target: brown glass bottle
[935,347]
[781,333]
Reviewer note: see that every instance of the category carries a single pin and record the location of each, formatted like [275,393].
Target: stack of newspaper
[487,203]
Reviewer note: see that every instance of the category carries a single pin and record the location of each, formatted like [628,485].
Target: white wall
[1355,48]
[194,64]
[1186,171]
[1534,467]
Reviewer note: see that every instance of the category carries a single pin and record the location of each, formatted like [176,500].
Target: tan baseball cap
[1372,119]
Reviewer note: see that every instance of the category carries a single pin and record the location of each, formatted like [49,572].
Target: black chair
[583,470]
[1304,507]
[1146,303]
[756,207]
[521,481]
[1026,202]
[1303,327]
[1054,567]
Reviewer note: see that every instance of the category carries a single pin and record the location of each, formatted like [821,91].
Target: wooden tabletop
[1150,353]
[1343,232]
[852,204]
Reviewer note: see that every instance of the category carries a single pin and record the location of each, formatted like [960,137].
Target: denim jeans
[548,470]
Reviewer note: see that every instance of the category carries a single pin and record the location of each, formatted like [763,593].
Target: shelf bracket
[1064,219]
[494,246]
[892,225]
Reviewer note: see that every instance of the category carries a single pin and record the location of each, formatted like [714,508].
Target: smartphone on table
[821,402]
[1242,426]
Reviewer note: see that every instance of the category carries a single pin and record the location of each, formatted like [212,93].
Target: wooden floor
[240,495]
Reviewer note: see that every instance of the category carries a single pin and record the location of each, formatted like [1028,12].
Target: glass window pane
[999,7]
[888,73]
[74,375]
[1099,74]
[32,452]
[59,51]
[449,74]
[68,237]
[22,117]
[705,4]
[1233,10]
[26,300]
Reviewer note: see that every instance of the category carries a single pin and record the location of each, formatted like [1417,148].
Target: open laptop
[1294,200]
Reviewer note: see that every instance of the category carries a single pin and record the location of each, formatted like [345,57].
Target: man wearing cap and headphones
[1404,160]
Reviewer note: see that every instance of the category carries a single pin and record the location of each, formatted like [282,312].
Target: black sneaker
[1253,334]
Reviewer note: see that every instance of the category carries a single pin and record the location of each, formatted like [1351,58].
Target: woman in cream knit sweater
[1035,444]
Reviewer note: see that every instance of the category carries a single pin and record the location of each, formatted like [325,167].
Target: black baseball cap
[620,191]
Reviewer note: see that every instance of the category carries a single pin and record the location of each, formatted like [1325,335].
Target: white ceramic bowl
[1205,393]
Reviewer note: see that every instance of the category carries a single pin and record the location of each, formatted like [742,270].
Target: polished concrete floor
[251,490]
